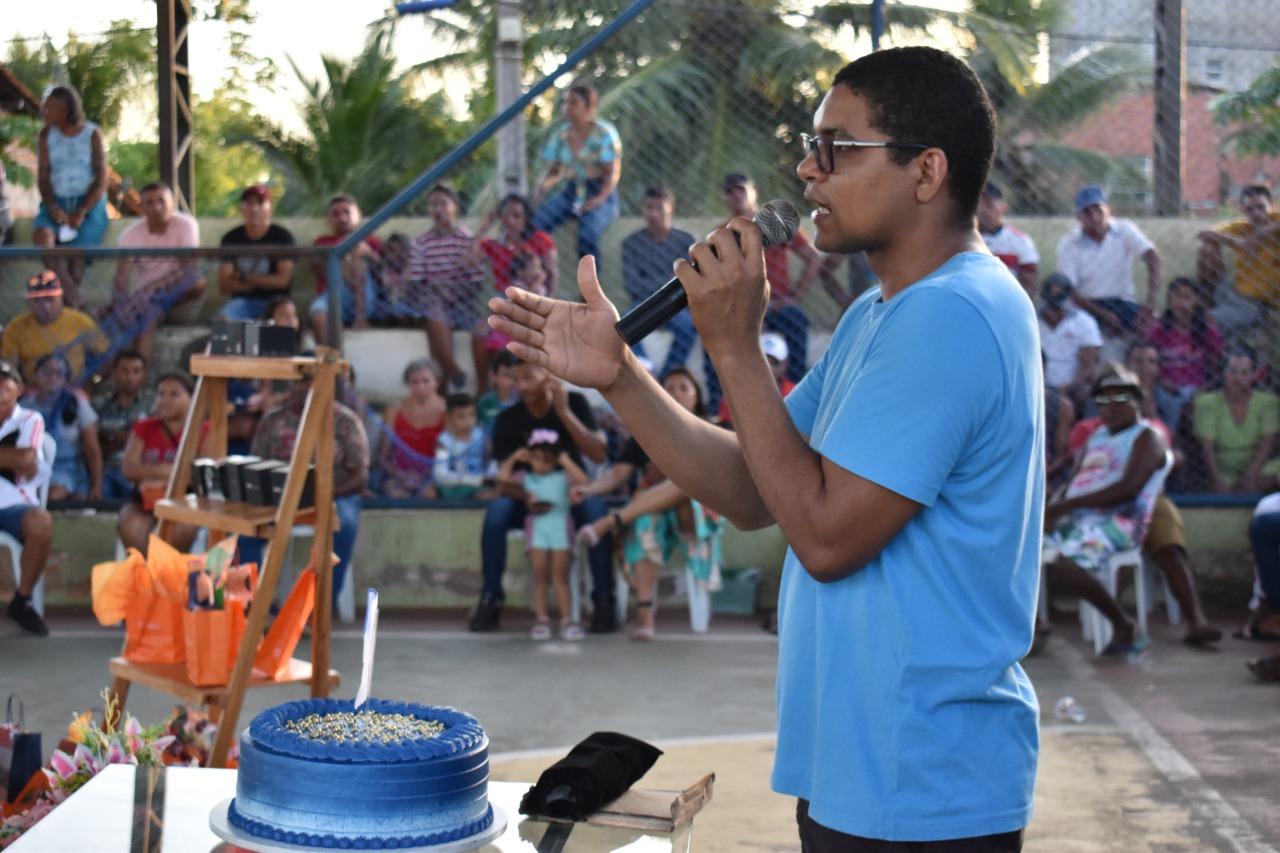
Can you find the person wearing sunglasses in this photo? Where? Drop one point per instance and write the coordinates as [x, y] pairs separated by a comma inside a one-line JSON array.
[[905, 470], [1108, 503], [1248, 287]]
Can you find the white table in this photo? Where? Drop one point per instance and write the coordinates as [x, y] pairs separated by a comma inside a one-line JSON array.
[[100, 818]]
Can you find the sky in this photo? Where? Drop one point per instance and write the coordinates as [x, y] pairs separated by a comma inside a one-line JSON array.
[[278, 34]]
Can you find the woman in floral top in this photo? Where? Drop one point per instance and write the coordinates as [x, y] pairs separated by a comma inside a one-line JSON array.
[[584, 164]]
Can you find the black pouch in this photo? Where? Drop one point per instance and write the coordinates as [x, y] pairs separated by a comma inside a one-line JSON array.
[[595, 772]]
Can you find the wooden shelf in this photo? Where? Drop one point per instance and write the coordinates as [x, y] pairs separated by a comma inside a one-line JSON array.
[[254, 367], [171, 678], [227, 516]]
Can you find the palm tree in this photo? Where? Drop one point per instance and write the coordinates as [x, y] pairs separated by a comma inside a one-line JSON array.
[[1254, 113], [364, 131]]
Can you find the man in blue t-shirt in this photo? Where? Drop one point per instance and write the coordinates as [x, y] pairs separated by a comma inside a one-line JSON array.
[[647, 258], [906, 470]]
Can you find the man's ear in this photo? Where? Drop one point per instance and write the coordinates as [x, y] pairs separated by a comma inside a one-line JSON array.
[[933, 170]]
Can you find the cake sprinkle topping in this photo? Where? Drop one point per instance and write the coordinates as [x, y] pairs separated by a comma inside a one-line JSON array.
[[371, 726]]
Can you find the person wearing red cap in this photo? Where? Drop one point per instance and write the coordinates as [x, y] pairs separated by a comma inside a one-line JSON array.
[[49, 326], [252, 281]]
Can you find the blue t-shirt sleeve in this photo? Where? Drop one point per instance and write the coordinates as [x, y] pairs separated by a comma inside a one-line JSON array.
[[931, 377], [802, 402]]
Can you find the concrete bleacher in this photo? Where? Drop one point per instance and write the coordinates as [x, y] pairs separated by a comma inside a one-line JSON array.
[[379, 377], [429, 556]]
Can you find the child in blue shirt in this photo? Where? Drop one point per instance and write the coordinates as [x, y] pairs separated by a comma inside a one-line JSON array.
[[462, 463]]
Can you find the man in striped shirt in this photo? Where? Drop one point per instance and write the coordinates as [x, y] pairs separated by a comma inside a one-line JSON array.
[[444, 285], [23, 469]]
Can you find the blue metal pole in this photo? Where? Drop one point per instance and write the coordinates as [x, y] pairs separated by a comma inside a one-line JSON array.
[[877, 23]]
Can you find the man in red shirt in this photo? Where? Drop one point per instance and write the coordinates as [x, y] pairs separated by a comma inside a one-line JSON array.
[[784, 316], [358, 291]]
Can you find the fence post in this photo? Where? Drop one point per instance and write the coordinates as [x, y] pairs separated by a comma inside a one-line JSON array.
[[1170, 86], [509, 57]]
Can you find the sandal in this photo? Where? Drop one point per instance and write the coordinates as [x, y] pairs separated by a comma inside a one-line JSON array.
[[1202, 636], [540, 631], [1266, 670], [571, 632], [643, 633], [1117, 649]]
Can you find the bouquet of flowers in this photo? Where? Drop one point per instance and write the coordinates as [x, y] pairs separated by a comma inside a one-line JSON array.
[[186, 738]]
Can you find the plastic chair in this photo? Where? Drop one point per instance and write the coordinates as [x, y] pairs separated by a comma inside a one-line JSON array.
[[697, 598], [48, 448], [1172, 609]]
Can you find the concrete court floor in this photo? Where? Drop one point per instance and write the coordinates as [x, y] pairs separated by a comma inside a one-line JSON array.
[[1180, 750]]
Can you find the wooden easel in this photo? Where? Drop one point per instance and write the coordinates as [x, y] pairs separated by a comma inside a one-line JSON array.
[[315, 442]]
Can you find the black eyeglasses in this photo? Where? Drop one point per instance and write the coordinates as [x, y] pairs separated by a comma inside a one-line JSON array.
[[1103, 399], [824, 148]]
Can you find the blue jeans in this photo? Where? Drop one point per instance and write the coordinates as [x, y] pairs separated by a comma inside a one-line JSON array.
[[506, 514], [1125, 311], [793, 325], [114, 486], [344, 540], [1264, 537], [558, 209], [683, 337], [320, 305], [244, 308]]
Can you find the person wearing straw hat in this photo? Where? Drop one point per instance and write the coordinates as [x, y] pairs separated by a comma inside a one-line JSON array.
[[1108, 503]]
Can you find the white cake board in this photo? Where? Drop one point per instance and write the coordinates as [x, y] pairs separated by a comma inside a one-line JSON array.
[[223, 829]]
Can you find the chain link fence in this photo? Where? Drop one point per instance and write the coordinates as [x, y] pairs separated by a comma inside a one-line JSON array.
[[701, 105]]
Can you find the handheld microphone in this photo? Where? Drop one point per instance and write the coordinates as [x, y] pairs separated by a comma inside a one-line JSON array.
[[778, 221]]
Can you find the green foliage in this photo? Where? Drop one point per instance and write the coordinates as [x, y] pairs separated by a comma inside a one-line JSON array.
[[108, 73], [1253, 114], [366, 131]]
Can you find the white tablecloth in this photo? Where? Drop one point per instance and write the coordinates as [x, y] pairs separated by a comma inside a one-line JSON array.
[[99, 818]]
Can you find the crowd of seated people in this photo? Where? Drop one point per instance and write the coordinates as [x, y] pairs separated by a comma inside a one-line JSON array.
[[1202, 364], [1197, 381]]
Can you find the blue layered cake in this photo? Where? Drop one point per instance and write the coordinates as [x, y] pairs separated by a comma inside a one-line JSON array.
[[317, 774]]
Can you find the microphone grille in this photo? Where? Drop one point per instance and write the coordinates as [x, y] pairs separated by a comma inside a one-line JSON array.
[[778, 221]]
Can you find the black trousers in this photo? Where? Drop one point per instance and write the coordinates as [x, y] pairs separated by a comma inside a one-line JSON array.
[[816, 838]]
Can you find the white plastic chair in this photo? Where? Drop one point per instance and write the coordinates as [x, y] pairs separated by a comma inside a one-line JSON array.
[[49, 448], [697, 598]]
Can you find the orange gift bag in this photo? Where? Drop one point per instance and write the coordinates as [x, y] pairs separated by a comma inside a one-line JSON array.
[[153, 630], [212, 640], [115, 585], [276, 650]]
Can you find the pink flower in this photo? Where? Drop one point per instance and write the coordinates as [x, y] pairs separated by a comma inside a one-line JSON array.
[[63, 766], [85, 759], [117, 755], [163, 743]]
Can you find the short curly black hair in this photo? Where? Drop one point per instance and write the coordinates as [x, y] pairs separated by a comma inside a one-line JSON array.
[[928, 96]]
